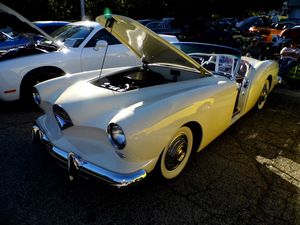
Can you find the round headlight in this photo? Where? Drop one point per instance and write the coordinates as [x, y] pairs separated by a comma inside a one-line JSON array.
[[36, 96], [116, 136]]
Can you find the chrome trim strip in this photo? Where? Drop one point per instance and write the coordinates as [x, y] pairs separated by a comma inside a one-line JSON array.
[[112, 178]]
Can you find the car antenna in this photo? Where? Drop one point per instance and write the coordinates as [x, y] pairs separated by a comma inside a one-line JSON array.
[[103, 60], [109, 23]]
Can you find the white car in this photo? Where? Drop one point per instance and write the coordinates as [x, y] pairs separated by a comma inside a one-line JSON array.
[[73, 49], [124, 124]]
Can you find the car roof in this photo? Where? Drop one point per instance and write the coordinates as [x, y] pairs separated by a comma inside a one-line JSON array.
[[169, 38], [87, 23], [46, 22]]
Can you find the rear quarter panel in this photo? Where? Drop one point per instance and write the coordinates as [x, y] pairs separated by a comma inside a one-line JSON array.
[[260, 72]]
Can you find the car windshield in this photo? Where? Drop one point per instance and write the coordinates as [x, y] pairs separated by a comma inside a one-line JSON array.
[[215, 58], [71, 35], [220, 64]]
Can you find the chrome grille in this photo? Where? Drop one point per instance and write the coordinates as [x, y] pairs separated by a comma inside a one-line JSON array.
[[62, 117]]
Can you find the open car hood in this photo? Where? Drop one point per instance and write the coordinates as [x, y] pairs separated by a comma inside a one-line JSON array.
[[146, 44], [10, 19]]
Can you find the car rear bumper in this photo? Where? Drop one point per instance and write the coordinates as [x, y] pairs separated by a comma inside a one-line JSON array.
[[279, 81], [77, 165]]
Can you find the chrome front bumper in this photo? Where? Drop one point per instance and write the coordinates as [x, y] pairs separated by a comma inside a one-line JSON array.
[[75, 164]]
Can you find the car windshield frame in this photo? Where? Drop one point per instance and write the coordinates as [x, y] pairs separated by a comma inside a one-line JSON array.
[[226, 60], [72, 35], [223, 64]]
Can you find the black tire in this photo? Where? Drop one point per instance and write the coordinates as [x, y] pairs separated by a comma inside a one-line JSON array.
[[28, 83], [26, 91]]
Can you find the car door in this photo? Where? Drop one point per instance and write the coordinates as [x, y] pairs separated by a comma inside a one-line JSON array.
[[117, 53], [242, 78]]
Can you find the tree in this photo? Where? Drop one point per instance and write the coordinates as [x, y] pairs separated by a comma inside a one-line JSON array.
[[137, 9]]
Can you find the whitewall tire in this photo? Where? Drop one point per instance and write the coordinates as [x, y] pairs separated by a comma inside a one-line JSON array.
[[176, 154], [263, 95]]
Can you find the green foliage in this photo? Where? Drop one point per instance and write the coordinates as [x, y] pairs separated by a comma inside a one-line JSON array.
[[137, 9]]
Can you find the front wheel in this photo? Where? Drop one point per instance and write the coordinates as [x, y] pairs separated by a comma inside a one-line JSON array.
[[176, 154], [263, 95], [27, 90], [31, 80]]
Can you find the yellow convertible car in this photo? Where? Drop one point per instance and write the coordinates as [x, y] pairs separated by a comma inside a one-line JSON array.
[[120, 124]]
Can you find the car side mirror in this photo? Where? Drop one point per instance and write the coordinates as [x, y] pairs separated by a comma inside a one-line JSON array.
[[100, 44]]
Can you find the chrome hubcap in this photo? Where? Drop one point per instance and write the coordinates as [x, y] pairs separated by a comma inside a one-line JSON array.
[[176, 152], [263, 96]]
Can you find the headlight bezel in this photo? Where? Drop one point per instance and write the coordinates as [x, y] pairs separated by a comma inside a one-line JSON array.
[[116, 136]]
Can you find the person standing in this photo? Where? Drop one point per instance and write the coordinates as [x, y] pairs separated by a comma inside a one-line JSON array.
[[289, 57]]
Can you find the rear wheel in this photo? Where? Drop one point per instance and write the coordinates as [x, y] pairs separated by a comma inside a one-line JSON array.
[[175, 156], [263, 95]]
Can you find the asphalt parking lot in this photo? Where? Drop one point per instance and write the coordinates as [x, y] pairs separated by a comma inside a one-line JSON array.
[[248, 175]]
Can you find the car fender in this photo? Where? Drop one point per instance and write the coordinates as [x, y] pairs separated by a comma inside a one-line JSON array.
[[50, 90], [14, 70], [149, 130], [260, 72]]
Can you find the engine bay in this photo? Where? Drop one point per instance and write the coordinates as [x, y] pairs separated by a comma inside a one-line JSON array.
[[26, 50], [131, 79]]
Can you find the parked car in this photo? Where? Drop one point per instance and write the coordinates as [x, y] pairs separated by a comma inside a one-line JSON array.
[[264, 26], [153, 24], [146, 21], [10, 39], [170, 38], [50, 26], [131, 121], [73, 48], [284, 39], [258, 21], [219, 32], [271, 31], [226, 22], [165, 26]]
